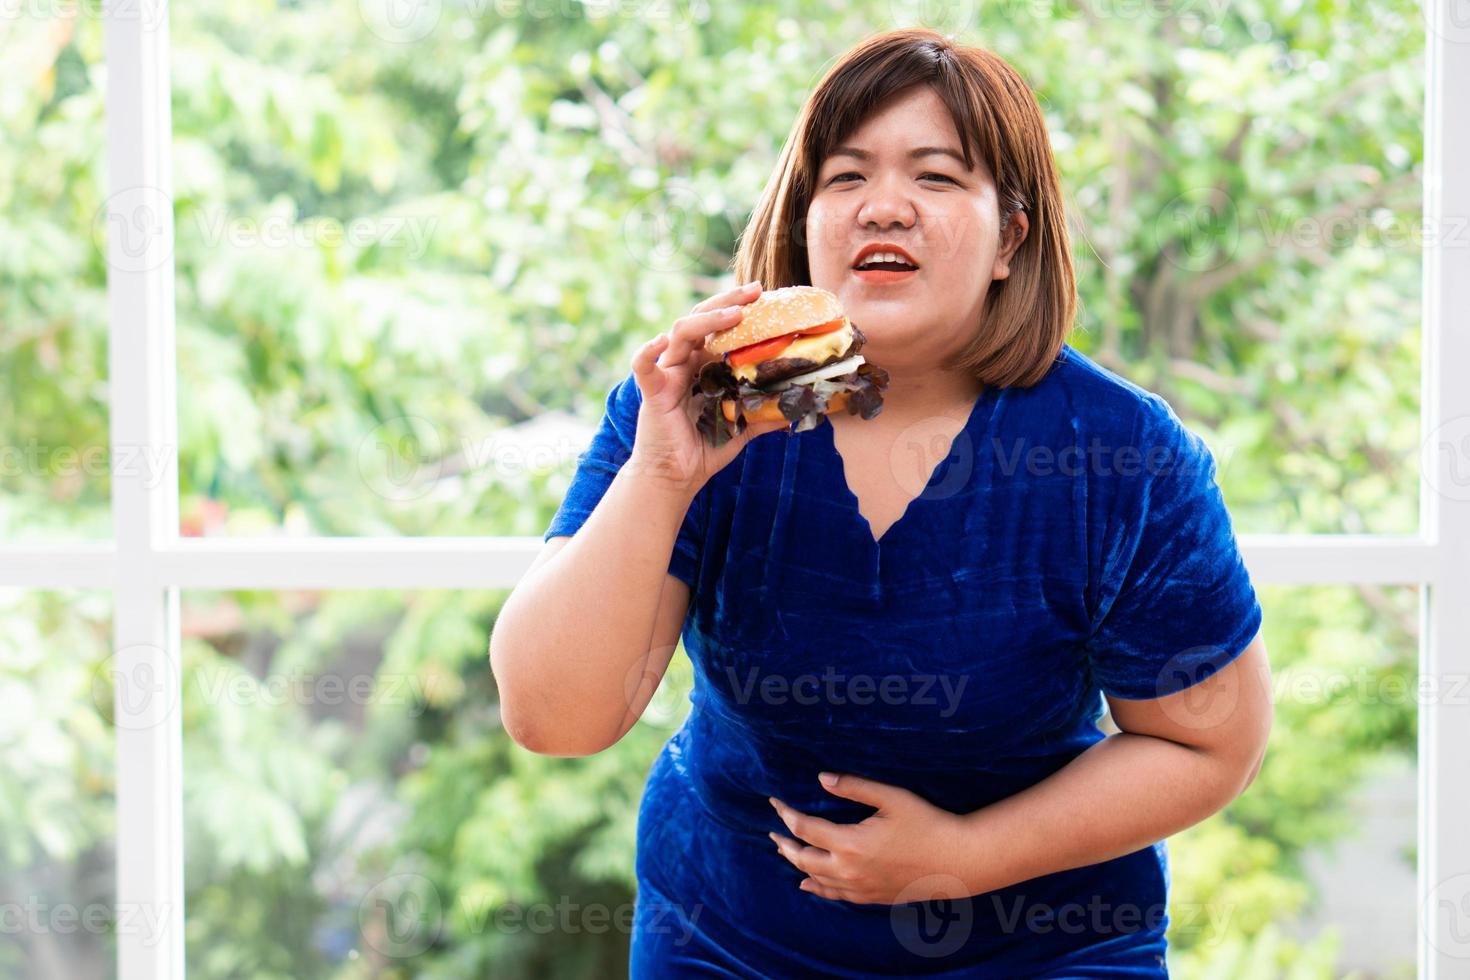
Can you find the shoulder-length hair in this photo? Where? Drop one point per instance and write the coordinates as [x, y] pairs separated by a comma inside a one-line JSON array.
[[1028, 315]]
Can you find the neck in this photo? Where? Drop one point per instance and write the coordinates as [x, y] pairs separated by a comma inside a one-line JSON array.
[[918, 391]]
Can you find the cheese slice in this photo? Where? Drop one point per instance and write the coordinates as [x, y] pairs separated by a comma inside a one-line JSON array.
[[816, 347]]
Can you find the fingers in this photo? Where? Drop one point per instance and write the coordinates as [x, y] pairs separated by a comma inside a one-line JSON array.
[[644, 372], [813, 860], [824, 890], [870, 791], [814, 830], [740, 294], [719, 312], [689, 332]]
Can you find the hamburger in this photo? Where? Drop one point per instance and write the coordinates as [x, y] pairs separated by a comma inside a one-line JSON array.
[[792, 356]]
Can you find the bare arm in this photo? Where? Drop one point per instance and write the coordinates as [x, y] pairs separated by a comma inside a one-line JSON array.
[[581, 644], [1176, 760]]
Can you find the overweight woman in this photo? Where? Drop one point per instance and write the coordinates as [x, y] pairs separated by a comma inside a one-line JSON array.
[[904, 628]]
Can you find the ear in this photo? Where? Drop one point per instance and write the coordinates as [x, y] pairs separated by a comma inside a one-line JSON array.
[[1011, 237]]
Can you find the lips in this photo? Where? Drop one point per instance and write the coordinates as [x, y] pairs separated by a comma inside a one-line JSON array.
[[883, 252]]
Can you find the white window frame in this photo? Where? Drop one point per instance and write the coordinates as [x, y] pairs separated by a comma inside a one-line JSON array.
[[147, 563]]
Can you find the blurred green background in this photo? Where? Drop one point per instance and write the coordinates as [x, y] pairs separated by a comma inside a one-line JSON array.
[[415, 246]]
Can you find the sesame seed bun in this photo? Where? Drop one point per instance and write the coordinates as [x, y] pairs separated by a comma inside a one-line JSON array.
[[780, 311]]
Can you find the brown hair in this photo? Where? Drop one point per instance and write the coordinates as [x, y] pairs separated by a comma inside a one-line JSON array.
[[1029, 314]]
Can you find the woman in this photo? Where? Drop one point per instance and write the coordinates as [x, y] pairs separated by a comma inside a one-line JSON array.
[[925, 609]]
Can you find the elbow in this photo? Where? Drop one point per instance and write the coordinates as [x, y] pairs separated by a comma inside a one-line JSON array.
[[1245, 752], [540, 731], [544, 740], [535, 727], [1251, 768], [1254, 770], [1263, 741], [1233, 770]]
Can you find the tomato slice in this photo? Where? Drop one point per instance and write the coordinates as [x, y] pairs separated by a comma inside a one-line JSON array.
[[828, 327], [761, 351], [765, 350]]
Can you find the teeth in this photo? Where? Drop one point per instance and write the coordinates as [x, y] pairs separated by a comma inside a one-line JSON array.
[[885, 257]]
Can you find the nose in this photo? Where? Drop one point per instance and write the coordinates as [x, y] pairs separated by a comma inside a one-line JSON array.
[[886, 203]]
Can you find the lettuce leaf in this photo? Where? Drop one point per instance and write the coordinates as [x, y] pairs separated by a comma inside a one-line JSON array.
[[803, 405]]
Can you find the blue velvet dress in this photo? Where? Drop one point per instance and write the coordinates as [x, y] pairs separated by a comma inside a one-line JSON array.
[[1075, 541]]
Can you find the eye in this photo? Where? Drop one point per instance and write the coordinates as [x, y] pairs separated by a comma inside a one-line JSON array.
[[838, 178]]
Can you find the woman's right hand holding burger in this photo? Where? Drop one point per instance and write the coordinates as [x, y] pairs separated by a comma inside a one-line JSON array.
[[668, 448]]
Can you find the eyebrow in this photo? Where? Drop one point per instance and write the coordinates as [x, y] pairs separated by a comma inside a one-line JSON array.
[[914, 154]]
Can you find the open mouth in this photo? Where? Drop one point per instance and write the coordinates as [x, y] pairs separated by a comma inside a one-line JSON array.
[[885, 262], [880, 273]]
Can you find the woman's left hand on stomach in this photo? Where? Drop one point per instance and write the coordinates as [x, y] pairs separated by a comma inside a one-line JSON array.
[[895, 855]]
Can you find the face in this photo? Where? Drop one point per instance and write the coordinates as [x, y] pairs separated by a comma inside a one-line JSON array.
[[945, 217]]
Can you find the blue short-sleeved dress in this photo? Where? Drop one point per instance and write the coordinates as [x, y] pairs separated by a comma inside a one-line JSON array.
[[1075, 541]]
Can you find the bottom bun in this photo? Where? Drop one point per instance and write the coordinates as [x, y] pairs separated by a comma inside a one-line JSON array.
[[769, 410]]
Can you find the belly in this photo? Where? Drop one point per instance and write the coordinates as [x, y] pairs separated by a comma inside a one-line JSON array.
[[727, 880]]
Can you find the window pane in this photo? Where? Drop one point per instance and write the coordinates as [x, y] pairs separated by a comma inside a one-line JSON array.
[[370, 340], [54, 468], [350, 793], [1312, 868], [58, 803], [1248, 179], [352, 802], [400, 241]]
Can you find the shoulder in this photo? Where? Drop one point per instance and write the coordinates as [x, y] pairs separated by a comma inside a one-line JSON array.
[[1090, 402]]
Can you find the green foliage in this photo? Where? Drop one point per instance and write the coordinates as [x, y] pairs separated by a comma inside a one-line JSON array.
[[391, 251]]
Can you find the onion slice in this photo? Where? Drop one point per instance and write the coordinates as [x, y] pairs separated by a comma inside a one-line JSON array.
[[820, 374]]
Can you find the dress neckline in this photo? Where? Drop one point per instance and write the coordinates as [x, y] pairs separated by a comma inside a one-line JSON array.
[[964, 440]]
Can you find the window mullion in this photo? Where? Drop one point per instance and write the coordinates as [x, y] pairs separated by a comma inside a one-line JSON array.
[[140, 310], [1444, 722]]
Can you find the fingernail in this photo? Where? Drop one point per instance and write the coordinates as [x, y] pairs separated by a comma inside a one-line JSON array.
[[753, 282], [730, 309], [827, 778]]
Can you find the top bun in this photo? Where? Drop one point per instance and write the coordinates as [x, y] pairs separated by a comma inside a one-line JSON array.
[[780, 311]]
